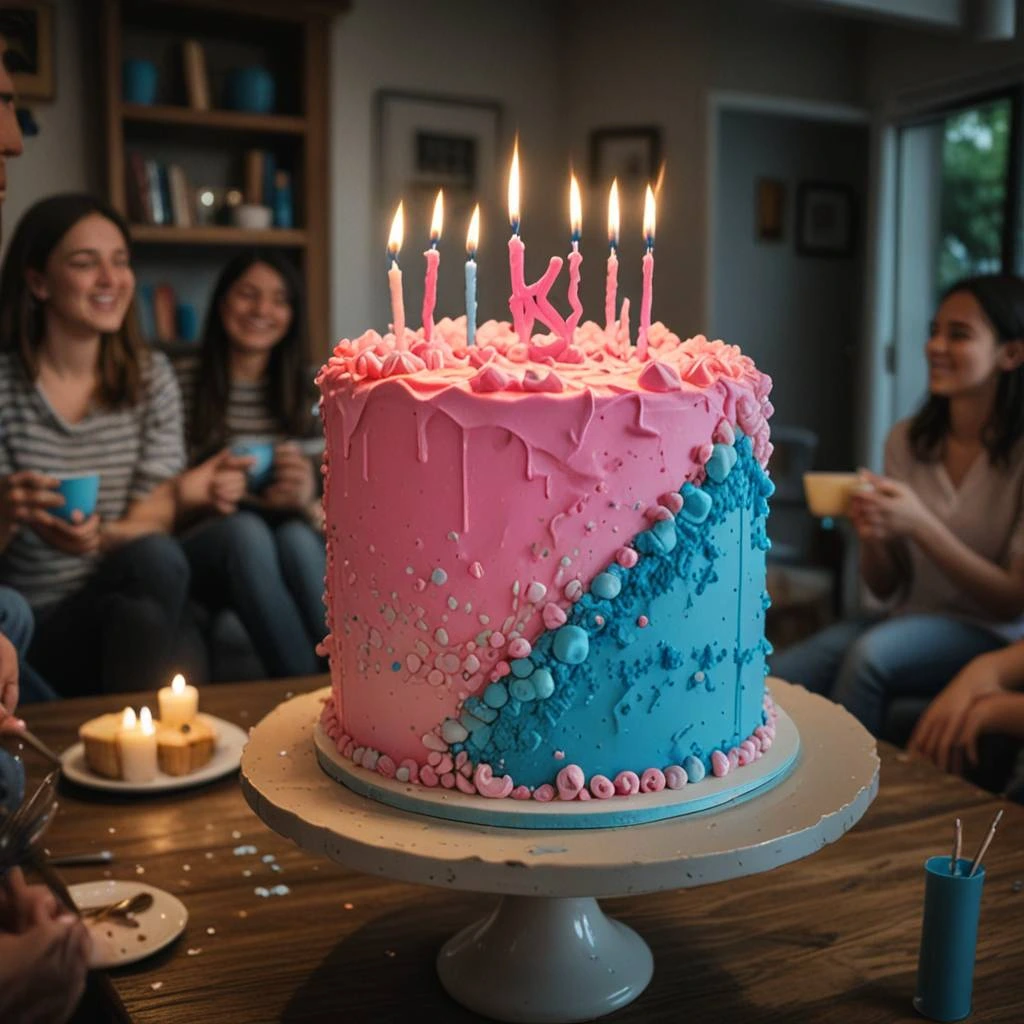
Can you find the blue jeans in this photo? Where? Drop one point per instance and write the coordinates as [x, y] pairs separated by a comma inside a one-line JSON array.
[[118, 631], [865, 663], [271, 574], [18, 624]]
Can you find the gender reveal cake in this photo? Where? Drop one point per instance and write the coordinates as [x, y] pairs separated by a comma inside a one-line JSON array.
[[546, 562]]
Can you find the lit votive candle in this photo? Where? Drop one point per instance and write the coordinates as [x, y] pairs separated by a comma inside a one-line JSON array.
[[179, 703], [136, 744]]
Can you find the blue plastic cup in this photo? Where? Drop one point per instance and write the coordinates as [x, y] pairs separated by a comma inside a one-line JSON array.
[[261, 449], [80, 492], [251, 89], [949, 936], [139, 81]]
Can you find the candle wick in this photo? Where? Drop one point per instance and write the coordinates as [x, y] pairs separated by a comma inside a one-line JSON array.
[[515, 227]]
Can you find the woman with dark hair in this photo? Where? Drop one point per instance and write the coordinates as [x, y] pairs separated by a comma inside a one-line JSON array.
[[267, 561], [81, 394], [942, 531]]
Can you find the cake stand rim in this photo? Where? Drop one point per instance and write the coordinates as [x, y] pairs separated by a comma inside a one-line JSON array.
[[823, 795]]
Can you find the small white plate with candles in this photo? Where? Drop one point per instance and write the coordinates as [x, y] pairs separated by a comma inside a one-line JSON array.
[[125, 752], [123, 938]]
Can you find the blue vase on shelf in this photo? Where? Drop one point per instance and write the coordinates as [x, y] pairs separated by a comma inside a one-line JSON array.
[[250, 89]]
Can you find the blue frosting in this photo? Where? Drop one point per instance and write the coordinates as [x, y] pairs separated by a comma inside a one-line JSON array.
[[614, 694]]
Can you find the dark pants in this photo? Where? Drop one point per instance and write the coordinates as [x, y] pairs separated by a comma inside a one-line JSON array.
[[17, 624], [272, 576], [117, 633]]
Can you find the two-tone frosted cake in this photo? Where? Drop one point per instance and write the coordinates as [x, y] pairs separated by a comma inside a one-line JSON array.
[[546, 562]]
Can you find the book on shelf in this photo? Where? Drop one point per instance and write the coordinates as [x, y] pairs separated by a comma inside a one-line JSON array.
[[252, 178], [181, 196], [197, 81], [164, 305], [140, 208]]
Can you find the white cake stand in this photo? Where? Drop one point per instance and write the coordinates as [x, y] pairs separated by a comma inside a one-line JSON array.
[[548, 953]]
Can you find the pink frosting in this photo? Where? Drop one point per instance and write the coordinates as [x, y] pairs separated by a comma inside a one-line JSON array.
[[570, 781]]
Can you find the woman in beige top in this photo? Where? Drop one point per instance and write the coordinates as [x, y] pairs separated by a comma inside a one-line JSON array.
[[942, 532]]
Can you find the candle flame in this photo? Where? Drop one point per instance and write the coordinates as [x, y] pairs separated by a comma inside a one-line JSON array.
[[473, 234], [437, 221], [513, 189], [397, 232], [128, 719], [649, 218], [575, 208], [613, 214], [178, 684], [146, 722]]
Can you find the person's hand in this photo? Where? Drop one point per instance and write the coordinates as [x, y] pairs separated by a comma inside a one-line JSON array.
[[44, 955], [79, 537], [888, 509], [940, 730], [25, 496], [294, 483], [9, 687], [218, 483], [983, 716]]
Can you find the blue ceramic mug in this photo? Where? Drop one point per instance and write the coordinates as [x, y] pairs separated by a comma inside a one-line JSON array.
[[139, 81], [261, 450], [250, 89], [80, 491]]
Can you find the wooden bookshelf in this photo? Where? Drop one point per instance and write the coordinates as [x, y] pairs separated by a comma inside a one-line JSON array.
[[290, 39]]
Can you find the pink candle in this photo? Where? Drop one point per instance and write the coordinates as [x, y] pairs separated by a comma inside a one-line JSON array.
[[575, 259], [395, 278], [611, 284], [520, 299], [433, 256], [648, 275]]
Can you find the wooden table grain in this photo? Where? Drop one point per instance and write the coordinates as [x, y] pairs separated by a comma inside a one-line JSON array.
[[831, 938]]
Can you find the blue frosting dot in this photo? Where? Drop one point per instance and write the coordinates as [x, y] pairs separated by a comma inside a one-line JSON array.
[[496, 695], [571, 645], [696, 504], [521, 667], [543, 683], [522, 689], [723, 458], [606, 586], [439, 577], [694, 768], [665, 531], [396, 666]]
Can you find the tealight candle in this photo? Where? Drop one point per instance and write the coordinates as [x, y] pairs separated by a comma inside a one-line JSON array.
[[178, 703], [136, 745]]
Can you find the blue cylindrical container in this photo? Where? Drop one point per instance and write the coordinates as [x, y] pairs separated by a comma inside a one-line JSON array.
[[949, 935], [139, 81], [251, 89]]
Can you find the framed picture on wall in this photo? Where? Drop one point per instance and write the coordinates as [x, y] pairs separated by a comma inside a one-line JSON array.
[[632, 155], [825, 219], [27, 26]]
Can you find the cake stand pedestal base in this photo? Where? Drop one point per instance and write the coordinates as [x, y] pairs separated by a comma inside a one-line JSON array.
[[548, 953], [545, 961]]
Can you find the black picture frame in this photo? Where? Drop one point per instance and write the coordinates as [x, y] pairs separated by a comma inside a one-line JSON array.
[[631, 154], [826, 219]]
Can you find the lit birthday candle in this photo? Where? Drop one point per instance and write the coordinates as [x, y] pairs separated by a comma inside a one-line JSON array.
[[648, 273], [517, 255], [472, 241], [575, 259], [611, 285], [395, 278], [433, 256]]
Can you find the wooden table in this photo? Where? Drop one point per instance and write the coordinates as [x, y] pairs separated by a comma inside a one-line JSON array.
[[830, 938]]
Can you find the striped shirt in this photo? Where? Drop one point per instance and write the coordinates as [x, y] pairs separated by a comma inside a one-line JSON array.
[[248, 412], [133, 450]]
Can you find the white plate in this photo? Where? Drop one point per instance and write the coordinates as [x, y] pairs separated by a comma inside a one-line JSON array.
[[227, 756], [114, 944]]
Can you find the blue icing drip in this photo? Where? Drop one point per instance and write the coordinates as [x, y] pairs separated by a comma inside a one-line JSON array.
[[703, 596]]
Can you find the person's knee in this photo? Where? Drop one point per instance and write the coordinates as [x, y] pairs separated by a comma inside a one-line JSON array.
[[865, 662], [16, 621], [160, 567], [247, 533]]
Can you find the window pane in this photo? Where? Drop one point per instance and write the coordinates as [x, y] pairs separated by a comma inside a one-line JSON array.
[[975, 165]]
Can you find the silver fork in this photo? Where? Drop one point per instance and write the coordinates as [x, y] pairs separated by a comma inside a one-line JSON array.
[[19, 832]]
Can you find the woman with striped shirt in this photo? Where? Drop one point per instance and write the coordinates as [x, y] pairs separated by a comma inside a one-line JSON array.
[[267, 561], [80, 393]]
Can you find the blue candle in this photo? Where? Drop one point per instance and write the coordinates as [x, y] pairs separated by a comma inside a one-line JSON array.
[[472, 238]]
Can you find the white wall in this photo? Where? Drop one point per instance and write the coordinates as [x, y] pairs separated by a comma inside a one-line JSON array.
[[66, 154], [655, 62], [797, 316], [508, 52]]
